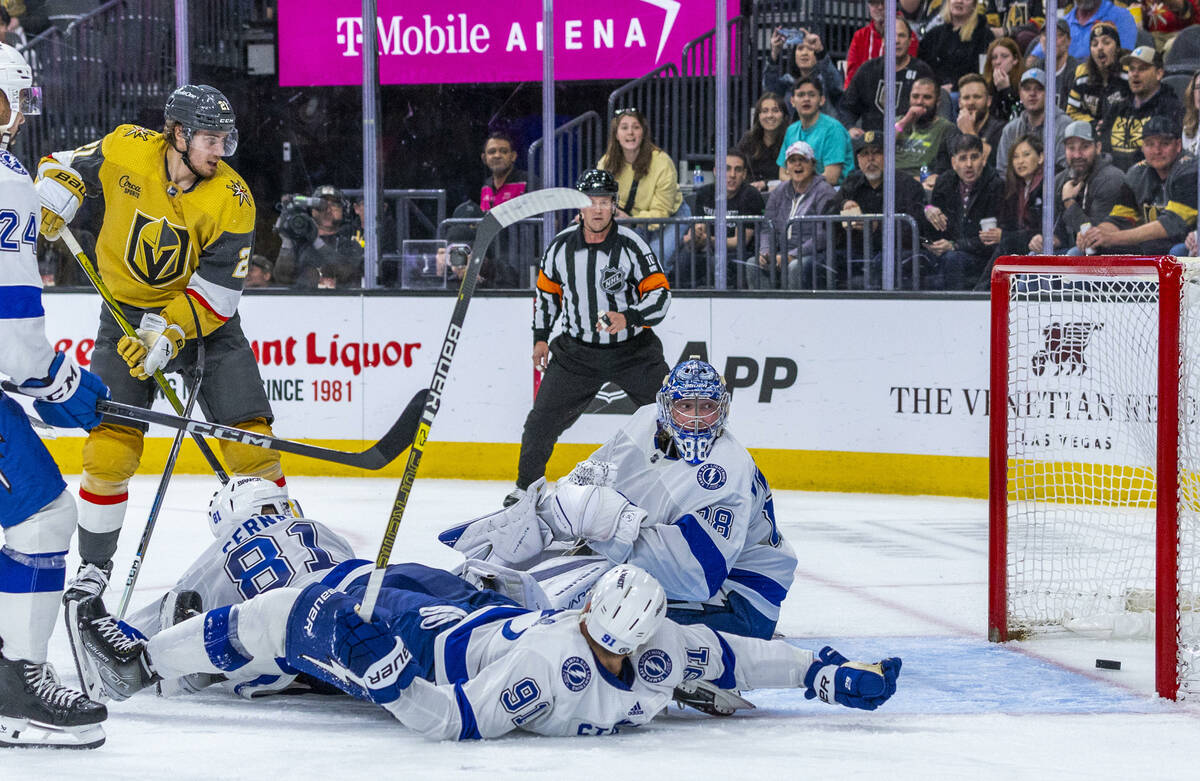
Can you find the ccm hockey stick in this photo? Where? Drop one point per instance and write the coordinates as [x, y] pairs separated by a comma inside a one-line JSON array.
[[496, 220], [115, 309], [379, 455]]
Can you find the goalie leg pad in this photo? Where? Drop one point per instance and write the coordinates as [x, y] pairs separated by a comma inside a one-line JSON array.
[[509, 536]]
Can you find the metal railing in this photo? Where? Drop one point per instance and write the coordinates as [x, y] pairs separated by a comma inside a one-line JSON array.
[[87, 89], [512, 261], [578, 144], [841, 255], [657, 95], [407, 212]]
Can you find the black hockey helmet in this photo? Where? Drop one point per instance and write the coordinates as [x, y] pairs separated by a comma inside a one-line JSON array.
[[596, 181], [201, 107]]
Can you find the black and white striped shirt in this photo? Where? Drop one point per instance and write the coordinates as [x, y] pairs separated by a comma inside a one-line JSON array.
[[620, 274]]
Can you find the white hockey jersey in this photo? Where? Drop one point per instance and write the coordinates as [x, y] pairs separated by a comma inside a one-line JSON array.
[[710, 528], [24, 351], [259, 554], [503, 668]]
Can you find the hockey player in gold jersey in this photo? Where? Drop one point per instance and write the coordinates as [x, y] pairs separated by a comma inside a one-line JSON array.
[[174, 248]]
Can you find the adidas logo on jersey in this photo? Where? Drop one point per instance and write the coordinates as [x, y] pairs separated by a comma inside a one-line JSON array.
[[636, 710]]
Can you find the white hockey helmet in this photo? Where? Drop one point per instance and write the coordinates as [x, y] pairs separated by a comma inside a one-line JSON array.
[[246, 497], [16, 82], [627, 605]]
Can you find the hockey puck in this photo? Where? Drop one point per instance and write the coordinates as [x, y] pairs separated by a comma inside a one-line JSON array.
[[1108, 664]]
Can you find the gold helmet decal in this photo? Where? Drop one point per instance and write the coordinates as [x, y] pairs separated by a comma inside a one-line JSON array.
[[157, 251]]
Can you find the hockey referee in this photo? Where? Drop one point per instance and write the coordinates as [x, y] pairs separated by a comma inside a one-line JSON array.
[[610, 289]]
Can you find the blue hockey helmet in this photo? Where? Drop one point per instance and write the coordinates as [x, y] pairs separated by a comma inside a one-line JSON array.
[[693, 404]]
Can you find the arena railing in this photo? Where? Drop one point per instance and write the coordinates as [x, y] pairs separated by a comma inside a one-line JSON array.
[[854, 262], [407, 213], [578, 144], [657, 95]]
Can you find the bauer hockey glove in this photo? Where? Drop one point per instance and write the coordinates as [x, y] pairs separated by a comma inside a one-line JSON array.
[[373, 657], [66, 397], [60, 189], [834, 678], [156, 343]]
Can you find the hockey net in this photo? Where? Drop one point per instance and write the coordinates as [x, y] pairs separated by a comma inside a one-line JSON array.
[[1095, 454]]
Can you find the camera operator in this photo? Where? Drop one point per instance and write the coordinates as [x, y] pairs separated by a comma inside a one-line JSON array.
[[321, 244]]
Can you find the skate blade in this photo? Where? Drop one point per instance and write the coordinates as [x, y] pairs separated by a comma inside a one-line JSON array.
[[23, 733], [89, 674]]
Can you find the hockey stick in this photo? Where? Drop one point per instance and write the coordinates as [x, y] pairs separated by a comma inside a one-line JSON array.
[[496, 220], [114, 308], [379, 455], [160, 494]]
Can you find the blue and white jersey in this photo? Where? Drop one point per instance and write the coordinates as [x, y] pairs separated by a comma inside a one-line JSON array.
[[24, 351], [261, 553], [504, 668], [711, 527]]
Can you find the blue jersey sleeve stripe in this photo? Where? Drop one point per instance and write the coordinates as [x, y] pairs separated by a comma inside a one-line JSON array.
[[704, 550], [761, 584], [20, 301], [218, 642], [25, 573], [466, 714], [454, 652], [727, 680]]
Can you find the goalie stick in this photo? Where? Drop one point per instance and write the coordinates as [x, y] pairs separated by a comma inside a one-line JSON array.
[[379, 455], [496, 220], [114, 308]]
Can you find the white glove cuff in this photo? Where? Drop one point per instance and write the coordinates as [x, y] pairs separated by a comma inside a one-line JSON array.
[[64, 382]]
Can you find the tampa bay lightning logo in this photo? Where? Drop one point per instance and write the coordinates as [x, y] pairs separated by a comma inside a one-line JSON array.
[[9, 160], [711, 476], [654, 665], [576, 674]]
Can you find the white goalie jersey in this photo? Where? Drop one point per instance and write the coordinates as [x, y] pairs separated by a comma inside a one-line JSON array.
[[261, 553], [710, 528], [504, 668]]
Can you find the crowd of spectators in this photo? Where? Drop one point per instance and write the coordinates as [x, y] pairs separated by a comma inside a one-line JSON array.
[[804, 181]]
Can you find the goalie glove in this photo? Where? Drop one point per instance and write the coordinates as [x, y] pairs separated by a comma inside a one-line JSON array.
[[607, 520], [60, 189], [834, 678], [66, 397], [156, 343], [593, 472]]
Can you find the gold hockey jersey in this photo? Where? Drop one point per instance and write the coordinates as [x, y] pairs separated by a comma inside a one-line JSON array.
[[159, 245]]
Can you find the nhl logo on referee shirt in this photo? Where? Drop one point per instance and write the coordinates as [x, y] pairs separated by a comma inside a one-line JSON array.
[[576, 674], [654, 665], [612, 279], [710, 476]]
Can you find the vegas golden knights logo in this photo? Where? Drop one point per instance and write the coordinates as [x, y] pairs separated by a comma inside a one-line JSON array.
[[157, 252]]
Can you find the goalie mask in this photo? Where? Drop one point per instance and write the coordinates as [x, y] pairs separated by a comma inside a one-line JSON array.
[[16, 81], [245, 497], [627, 605], [693, 404]]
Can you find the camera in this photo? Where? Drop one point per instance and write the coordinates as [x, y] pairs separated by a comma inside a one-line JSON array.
[[793, 36], [458, 255], [294, 221]]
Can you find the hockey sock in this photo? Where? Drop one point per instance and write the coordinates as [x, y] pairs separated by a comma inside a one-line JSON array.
[[33, 570]]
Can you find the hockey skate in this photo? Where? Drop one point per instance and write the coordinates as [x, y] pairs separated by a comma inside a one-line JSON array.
[[36, 711], [176, 607], [90, 581], [710, 699], [109, 660]]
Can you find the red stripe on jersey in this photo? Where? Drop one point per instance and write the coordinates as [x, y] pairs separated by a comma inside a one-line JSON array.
[[200, 300]]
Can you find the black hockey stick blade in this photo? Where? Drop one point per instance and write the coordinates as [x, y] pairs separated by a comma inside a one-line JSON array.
[[397, 439], [497, 219]]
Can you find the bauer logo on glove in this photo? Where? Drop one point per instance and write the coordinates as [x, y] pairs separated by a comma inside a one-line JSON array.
[[61, 191]]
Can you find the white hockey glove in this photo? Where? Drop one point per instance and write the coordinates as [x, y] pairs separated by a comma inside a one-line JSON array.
[[510, 536], [61, 191], [602, 516], [592, 472], [156, 343]]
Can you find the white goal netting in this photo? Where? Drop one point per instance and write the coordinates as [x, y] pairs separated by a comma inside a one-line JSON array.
[[1083, 358]]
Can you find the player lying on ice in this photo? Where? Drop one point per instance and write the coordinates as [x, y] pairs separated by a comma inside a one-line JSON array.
[[451, 661]]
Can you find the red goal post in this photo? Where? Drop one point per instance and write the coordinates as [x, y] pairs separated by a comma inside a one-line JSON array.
[[1090, 523]]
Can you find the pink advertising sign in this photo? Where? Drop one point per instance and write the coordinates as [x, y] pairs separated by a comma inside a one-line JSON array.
[[472, 41]]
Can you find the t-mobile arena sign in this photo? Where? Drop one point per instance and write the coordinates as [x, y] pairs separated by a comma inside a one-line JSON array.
[[472, 41]]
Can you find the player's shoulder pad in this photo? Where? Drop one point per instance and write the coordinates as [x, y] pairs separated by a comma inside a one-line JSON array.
[[131, 144], [9, 160], [234, 198]]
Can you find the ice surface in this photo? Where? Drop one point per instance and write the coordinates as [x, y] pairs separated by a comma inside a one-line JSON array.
[[877, 576]]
